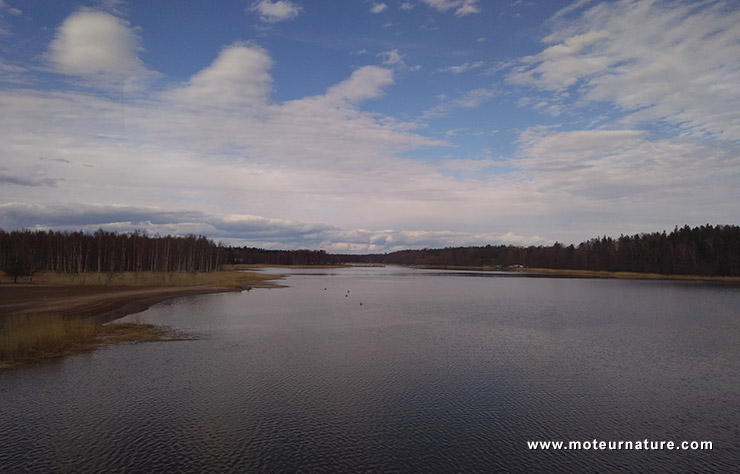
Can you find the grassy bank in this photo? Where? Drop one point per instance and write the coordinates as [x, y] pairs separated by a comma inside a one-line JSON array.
[[55, 314], [33, 338], [112, 296], [230, 279]]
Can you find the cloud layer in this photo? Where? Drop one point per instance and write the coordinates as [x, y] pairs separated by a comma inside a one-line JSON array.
[[668, 61], [242, 229], [216, 153]]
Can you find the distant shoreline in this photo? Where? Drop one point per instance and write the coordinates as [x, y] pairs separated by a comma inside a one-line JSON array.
[[595, 274], [533, 272]]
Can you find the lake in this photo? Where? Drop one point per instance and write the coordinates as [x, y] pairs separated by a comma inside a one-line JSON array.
[[396, 370]]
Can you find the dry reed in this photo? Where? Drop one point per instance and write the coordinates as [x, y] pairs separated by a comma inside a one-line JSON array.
[[35, 337], [32, 338]]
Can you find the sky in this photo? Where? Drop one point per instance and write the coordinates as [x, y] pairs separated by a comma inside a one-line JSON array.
[[370, 126]]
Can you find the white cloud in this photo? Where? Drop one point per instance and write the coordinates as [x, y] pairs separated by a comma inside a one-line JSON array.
[[468, 165], [568, 9], [238, 79], [116, 7], [656, 60], [276, 11], [465, 67], [11, 73], [566, 151], [100, 49], [365, 83], [622, 169], [469, 100], [392, 58], [5, 9], [468, 8], [378, 8], [379, 241], [407, 6], [461, 7]]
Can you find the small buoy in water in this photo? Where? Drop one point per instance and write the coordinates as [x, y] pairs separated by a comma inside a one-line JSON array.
[[346, 296], [324, 289], [360, 303]]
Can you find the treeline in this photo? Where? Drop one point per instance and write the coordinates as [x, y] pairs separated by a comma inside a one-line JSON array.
[[26, 252], [706, 250]]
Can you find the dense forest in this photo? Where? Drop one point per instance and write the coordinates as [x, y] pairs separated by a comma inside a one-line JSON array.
[[26, 252], [706, 250]]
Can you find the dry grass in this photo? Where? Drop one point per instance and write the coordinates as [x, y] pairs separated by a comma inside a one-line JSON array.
[[26, 339], [228, 279], [30, 330], [117, 333], [35, 337]]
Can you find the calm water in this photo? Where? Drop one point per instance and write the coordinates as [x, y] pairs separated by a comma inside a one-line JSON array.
[[434, 372]]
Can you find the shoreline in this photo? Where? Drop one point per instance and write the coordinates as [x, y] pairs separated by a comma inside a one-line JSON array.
[[110, 297], [536, 272], [60, 315], [102, 304], [599, 274]]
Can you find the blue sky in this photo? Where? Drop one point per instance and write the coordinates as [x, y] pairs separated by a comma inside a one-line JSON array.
[[367, 126]]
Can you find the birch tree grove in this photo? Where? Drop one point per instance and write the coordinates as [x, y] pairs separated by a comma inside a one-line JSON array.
[[26, 252]]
